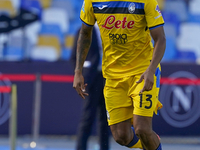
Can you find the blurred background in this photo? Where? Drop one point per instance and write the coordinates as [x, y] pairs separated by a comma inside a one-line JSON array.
[[36, 38]]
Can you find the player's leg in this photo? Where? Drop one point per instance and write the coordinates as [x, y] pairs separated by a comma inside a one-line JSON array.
[[145, 104], [120, 112], [143, 129], [125, 135]]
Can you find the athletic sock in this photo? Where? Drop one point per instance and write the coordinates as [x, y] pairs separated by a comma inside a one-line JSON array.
[[135, 143], [159, 147]]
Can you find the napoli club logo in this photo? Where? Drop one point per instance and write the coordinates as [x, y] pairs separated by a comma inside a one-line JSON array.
[[181, 102], [131, 8]]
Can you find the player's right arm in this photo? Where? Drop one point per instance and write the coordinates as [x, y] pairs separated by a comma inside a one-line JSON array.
[[83, 45]]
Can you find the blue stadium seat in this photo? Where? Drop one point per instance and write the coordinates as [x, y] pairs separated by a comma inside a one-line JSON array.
[[178, 7], [16, 4], [188, 38], [44, 53], [194, 18], [74, 26], [53, 15], [186, 56], [32, 5], [171, 18], [66, 5], [194, 7], [66, 54], [171, 30], [13, 54], [52, 29], [170, 52]]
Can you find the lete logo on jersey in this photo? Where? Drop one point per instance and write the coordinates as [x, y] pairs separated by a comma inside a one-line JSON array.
[[111, 22]]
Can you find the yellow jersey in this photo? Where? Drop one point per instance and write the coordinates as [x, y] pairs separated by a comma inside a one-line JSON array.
[[125, 32]]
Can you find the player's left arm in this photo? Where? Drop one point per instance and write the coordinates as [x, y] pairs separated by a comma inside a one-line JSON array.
[[155, 23], [158, 36]]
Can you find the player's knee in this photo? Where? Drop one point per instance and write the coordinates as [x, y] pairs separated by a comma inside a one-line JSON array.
[[143, 132], [122, 138]]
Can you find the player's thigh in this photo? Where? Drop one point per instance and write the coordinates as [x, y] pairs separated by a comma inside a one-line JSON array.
[[122, 129], [118, 104], [142, 124], [146, 103]]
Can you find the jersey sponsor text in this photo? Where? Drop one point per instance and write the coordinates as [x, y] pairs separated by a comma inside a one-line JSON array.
[[111, 23]]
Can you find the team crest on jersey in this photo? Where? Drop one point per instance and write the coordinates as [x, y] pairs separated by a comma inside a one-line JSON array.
[[131, 8]]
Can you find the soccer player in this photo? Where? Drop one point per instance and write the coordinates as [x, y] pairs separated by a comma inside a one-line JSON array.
[[131, 65]]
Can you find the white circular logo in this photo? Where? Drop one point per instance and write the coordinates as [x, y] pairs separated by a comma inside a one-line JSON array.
[[131, 8], [180, 102]]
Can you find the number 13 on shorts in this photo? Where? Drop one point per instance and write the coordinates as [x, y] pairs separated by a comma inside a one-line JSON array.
[[146, 98], [145, 103]]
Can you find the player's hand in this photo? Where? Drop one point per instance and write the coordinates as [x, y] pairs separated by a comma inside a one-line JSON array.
[[148, 77], [79, 85]]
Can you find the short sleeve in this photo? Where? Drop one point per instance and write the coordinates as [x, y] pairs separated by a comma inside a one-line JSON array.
[[87, 13], [153, 14]]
